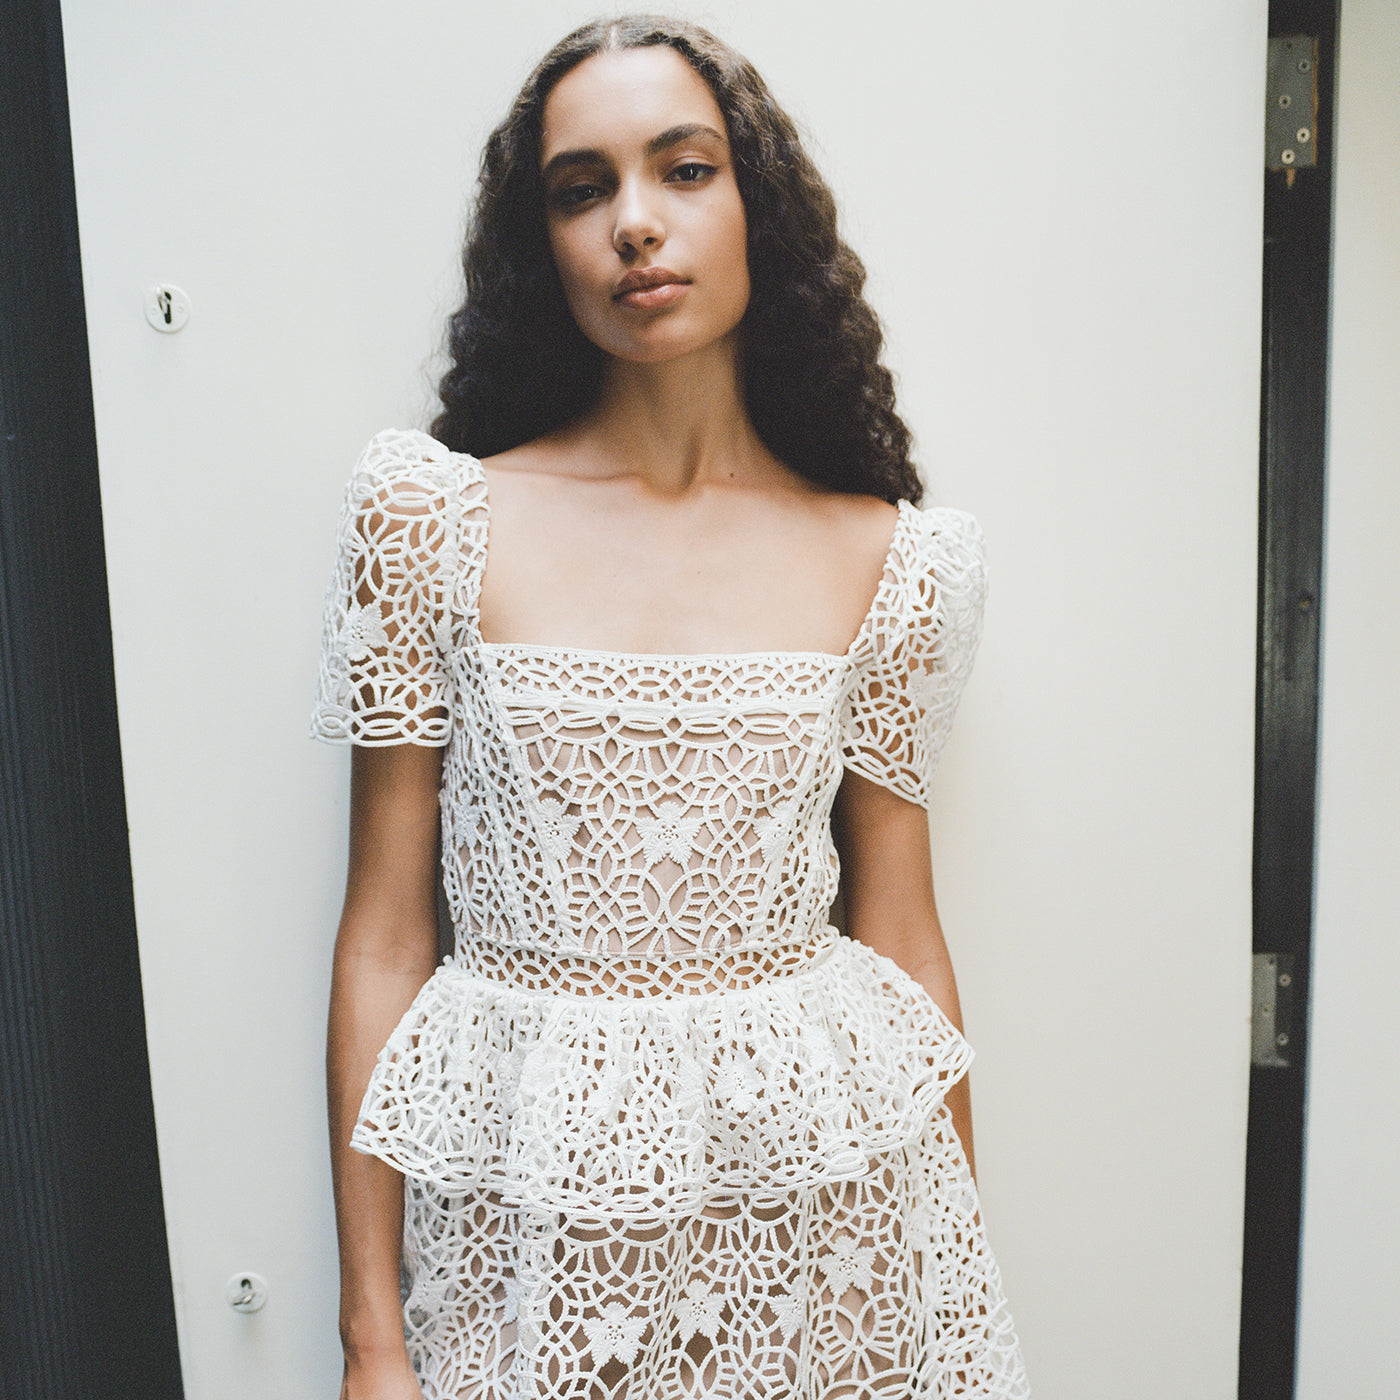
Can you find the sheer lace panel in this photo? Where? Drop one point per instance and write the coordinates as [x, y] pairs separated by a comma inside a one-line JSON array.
[[385, 677], [688, 817], [918, 653], [857, 1290]]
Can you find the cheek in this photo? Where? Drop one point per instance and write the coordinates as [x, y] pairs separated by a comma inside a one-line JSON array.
[[737, 251], [579, 280], [586, 278], [567, 260]]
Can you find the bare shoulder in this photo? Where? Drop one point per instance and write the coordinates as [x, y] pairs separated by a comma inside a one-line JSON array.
[[565, 454], [516, 466], [834, 552], [861, 526], [528, 458]]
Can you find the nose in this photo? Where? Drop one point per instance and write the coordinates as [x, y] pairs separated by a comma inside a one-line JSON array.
[[639, 226]]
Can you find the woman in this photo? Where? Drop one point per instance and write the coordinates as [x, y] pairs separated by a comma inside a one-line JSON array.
[[654, 1129]]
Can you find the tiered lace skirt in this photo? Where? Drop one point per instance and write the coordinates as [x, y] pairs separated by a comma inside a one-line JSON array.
[[750, 1192]]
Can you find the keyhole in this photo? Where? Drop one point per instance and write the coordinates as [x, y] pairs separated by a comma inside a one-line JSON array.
[[246, 1293], [167, 308]]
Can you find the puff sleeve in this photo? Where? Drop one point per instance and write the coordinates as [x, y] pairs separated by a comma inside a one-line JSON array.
[[922, 640], [384, 677]]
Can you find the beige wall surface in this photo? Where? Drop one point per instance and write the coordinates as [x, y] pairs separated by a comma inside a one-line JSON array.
[[1351, 1213], [1060, 209]]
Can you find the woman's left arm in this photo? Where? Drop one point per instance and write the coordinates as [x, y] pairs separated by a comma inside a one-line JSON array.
[[887, 886]]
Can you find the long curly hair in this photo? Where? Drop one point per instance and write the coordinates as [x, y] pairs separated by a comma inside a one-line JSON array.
[[813, 383]]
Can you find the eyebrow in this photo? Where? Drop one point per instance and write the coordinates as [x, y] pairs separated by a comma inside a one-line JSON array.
[[672, 136]]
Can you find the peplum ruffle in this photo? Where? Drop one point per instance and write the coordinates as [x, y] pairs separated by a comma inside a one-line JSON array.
[[653, 1107]]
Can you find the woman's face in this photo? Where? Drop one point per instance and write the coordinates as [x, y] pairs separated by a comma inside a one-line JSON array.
[[644, 214]]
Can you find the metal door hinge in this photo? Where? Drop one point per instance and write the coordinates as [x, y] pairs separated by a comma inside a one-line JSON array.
[[1272, 1022], [1290, 125]]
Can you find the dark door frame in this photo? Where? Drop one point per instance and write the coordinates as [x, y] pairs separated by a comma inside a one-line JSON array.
[[1292, 480], [85, 1292]]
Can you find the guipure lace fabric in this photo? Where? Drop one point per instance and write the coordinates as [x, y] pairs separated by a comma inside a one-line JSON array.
[[666, 1133]]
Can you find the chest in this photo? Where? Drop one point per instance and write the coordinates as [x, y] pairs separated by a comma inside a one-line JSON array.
[[676, 586]]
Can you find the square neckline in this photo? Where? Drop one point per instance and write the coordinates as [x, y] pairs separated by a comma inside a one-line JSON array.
[[889, 581]]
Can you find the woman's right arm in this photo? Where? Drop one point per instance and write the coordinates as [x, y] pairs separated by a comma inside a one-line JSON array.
[[385, 949]]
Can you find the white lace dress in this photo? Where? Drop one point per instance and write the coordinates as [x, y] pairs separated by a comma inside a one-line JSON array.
[[665, 1132]]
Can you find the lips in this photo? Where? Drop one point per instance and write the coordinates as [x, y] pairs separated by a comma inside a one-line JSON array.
[[649, 287]]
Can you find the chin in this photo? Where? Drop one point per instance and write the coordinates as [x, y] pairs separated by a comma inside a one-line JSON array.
[[665, 345]]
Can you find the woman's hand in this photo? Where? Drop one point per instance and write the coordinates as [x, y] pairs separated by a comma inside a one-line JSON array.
[[384, 1378]]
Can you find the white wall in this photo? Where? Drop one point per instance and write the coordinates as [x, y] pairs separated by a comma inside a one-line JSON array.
[[1060, 206], [1351, 1224]]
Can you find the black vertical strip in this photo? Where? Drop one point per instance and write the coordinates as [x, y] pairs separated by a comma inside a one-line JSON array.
[[1297, 261], [86, 1308]]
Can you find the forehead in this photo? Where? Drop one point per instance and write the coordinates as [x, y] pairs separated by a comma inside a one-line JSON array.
[[623, 97]]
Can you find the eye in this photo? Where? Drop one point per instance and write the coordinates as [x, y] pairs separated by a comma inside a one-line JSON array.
[[692, 172], [575, 196]]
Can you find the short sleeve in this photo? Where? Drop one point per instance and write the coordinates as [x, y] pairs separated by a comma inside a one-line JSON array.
[[384, 677], [922, 637]]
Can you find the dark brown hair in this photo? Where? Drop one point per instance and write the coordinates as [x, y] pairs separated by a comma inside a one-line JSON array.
[[815, 388]]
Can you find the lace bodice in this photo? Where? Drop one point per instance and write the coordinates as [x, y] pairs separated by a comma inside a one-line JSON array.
[[606, 806]]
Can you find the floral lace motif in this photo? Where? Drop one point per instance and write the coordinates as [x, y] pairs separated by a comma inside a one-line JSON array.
[[665, 1132], [615, 1332], [847, 1265]]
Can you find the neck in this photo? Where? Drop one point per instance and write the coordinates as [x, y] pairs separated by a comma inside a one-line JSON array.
[[675, 424]]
